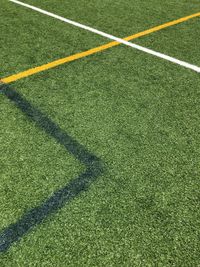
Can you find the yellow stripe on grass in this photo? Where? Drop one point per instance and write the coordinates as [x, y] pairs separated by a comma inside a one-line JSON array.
[[61, 61]]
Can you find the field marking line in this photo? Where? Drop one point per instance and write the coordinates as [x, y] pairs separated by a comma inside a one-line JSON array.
[[61, 61], [112, 37]]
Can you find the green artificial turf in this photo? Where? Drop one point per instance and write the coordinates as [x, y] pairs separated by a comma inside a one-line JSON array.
[[120, 18], [181, 41], [138, 113]]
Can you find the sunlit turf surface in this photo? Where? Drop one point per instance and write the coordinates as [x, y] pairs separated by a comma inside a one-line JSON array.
[[138, 114]]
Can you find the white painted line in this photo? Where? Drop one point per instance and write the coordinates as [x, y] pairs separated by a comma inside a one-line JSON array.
[[109, 36]]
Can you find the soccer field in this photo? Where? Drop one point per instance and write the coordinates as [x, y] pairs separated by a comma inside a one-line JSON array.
[[100, 133]]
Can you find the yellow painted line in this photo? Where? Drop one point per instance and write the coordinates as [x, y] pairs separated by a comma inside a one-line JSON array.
[[61, 61]]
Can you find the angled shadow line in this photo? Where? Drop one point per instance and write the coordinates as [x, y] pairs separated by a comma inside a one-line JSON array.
[[94, 168]]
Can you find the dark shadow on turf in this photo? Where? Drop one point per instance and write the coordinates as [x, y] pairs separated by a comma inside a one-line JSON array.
[[94, 168]]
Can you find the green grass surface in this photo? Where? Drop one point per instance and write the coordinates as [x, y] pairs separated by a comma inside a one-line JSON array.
[[120, 18], [138, 113], [181, 41]]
